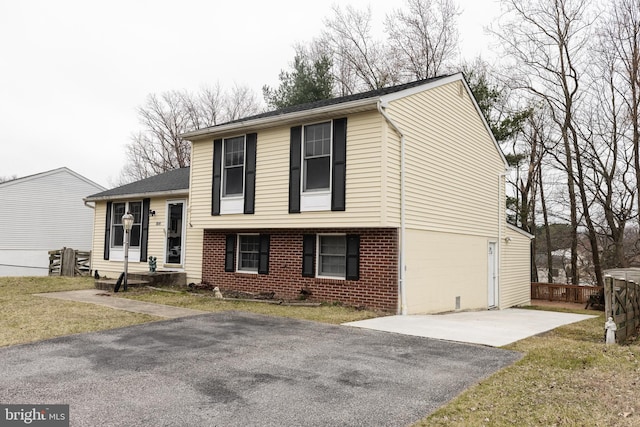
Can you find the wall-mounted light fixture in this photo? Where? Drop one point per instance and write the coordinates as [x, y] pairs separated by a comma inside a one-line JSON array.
[[507, 239], [152, 212]]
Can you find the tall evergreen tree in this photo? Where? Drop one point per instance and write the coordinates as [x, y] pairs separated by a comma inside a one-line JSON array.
[[310, 80]]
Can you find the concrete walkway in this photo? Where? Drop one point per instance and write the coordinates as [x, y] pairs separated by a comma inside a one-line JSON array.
[[96, 296], [494, 328]]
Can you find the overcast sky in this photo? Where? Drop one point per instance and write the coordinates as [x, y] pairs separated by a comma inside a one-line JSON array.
[[73, 72]]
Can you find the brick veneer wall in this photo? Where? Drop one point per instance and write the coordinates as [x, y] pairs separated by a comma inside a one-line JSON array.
[[376, 288]]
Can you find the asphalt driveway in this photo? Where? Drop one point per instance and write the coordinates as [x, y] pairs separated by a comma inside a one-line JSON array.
[[240, 369]]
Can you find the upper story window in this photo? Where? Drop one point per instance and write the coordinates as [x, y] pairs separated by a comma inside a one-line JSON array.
[[117, 227], [317, 157], [233, 175], [317, 166]]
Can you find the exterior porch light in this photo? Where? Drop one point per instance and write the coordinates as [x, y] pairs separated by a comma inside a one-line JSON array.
[[127, 221]]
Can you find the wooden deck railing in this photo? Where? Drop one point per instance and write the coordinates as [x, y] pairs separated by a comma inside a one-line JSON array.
[[564, 293]]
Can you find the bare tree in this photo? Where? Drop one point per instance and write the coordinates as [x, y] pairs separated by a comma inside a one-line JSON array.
[[611, 128], [158, 147], [620, 35], [545, 40], [424, 38], [360, 62]]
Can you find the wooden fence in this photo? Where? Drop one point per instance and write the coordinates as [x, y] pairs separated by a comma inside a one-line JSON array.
[[622, 302], [564, 293], [69, 262]]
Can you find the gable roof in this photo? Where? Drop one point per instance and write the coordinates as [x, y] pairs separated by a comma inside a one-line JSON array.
[[329, 108], [355, 101], [172, 182], [48, 173]]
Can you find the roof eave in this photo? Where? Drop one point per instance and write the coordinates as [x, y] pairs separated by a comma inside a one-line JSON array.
[[283, 119], [171, 193], [520, 230]]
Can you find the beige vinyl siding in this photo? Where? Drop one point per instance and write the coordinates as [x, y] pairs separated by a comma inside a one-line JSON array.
[[363, 181], [515, 280], [443, 266], [193, 256], [155, 243], [452, 165]]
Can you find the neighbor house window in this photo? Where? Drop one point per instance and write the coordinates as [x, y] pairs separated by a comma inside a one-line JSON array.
[[233, 167], [332, 256], [117, 227], [317, 157], [248, 252]]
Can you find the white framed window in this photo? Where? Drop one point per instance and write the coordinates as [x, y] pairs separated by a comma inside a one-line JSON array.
[[117, 227], [233, 167], [332, 255], [248, 253], [316, 157]]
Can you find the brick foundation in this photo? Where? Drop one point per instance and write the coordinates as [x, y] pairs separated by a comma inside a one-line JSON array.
[[376, 288]]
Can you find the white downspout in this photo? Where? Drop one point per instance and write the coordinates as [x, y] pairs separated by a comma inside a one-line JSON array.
[[403, 266], [501, 222]]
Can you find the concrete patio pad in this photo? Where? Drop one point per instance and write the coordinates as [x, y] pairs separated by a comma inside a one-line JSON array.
[[494, 328]]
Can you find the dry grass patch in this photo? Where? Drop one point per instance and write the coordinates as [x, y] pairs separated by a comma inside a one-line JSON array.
[[334, 314], [25, 317], [568, 377]]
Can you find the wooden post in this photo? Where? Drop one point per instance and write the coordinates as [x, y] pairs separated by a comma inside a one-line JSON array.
[[608, 295], [68, 262]]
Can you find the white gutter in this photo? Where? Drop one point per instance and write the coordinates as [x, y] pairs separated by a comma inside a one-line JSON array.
[[280, 119], [403, 266], [138, 195]]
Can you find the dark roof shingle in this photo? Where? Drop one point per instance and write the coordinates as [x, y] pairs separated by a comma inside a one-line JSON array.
[[174, 180], [333, 101]]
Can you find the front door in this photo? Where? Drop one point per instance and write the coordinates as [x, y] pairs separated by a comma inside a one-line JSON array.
[[492, 278], [175, 239]]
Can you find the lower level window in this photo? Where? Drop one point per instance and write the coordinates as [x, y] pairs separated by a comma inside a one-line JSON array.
[[248, 252], [332, 256]]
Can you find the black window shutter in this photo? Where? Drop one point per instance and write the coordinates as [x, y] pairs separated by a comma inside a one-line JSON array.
[[107, 232], [144, 238], [250, 173], [230, 253], [309, 255], [217, 175], [263, 260], [339, 165], [294, 169], [353, 257]]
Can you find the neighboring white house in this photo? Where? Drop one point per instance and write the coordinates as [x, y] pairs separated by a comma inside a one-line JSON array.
[[43, 212]]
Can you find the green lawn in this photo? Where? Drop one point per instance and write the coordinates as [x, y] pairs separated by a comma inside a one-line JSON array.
[[334, 314], [567, 377], [25, 317]]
